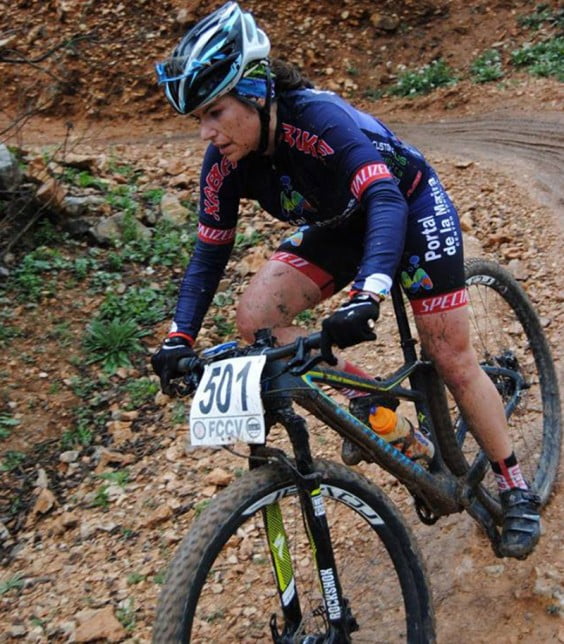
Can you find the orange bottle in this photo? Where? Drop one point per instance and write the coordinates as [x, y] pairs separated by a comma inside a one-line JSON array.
[[398, 431]]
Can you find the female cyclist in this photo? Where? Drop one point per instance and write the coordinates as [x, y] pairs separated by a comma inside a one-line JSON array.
[[367, 205]]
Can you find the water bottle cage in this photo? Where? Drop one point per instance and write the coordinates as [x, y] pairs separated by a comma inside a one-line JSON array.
[[405, 442]]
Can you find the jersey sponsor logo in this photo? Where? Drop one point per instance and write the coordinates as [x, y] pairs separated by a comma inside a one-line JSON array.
[[216, 236], [440, 227], [367, 175], [295, 239], [440, 303], [294, 205], [415, 278], [213, 182], [306, 142]]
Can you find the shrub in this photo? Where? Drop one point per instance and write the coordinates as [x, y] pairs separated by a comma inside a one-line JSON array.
[[112, 342], [487, 67], [542, 59], [541, 15], [424, 79]]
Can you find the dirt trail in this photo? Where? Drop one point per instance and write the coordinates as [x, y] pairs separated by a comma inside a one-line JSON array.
[[478, 598], [484, 599], [525, 144]]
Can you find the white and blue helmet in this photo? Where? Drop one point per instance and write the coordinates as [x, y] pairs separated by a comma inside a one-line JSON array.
[[221, 51]]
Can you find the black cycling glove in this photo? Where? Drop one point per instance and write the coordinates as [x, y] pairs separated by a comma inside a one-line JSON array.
[[349, 325], [165, 361]]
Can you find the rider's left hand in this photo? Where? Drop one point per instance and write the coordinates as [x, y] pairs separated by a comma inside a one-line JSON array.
[[350, 324]]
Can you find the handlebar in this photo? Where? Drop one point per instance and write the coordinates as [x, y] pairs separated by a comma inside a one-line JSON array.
[[299, 350]]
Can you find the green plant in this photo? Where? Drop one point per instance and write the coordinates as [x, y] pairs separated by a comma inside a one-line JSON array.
[[12, 460], [123, 198], [223, 298], [154, 195], [8, 332], [119, 477], [306, 317], [28, 277], [83, 266], [178, 415], [13, 582], [128, 533], [54, 388], [159, 577], [112, 342], [168, 246], [135, 578], [214, 615], [423, 80], [37, 621], [126, 614], [124, 169], [223, 326], [6, 422], [115, 261], [80, 436], [46, 233], [542, 14], [130, 226], [242, 241], [543, 59], [142, 304], [61, 332], [140, 391], [487, 67], [83, 179], [201, 506], [82, 387], [373, 93], [101, 497], [101, 279]]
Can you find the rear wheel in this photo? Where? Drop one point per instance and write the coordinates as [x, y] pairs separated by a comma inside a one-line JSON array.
[[511, 346], [220, 585]]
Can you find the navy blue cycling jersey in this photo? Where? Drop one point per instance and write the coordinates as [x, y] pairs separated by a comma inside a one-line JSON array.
[[330, 162]]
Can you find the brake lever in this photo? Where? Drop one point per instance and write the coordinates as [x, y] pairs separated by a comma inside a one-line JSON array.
[[300, 355], [306, 366]]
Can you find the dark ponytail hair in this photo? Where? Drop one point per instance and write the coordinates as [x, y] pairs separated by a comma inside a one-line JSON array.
[[288, 76]]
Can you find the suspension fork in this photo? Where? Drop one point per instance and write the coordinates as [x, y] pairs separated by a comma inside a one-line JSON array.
[[308, 483]]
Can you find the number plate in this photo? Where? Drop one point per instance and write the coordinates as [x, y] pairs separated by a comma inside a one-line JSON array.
[[227, 407]]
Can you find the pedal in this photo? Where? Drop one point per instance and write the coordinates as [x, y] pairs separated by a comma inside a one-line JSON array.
[[425, 514]]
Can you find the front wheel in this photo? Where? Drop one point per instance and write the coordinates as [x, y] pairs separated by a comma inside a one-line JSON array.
[[221, 587], [511, 347]]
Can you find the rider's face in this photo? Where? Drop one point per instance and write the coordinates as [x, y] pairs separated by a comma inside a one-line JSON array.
[[230, 125]]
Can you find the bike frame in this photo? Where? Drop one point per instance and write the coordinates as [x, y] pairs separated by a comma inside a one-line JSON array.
[[436, 489], [292, 375]]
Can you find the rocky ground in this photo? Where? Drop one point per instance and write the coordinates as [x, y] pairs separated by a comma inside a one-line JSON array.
[[88, 526], [89, 554]]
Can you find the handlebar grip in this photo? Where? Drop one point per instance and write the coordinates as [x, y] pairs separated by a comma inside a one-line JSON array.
[[187, 365]]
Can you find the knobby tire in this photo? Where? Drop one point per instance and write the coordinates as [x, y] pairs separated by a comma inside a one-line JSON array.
[[220, 585]]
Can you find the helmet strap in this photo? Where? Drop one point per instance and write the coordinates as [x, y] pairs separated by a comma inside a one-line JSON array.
[[264, 115]]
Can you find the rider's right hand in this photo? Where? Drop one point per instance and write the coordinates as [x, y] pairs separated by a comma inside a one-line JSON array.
[[351, 324], [165, 361]]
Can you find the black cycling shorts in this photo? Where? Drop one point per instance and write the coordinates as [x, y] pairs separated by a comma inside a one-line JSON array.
[[431, 270]]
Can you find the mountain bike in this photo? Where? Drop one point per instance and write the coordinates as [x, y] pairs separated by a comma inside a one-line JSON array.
[[306, 550]]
